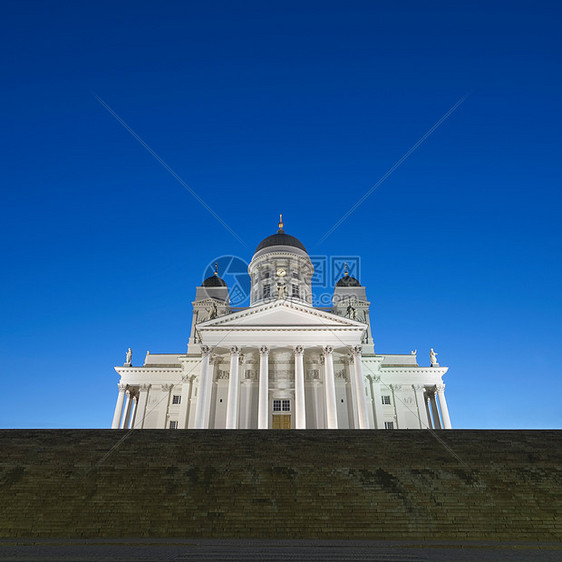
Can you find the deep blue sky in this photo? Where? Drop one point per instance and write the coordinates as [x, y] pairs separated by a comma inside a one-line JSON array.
[[293, 107]]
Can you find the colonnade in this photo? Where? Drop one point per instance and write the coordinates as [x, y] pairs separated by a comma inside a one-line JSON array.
[[430, 403], [202, 409], [436, 421], [130, 407]]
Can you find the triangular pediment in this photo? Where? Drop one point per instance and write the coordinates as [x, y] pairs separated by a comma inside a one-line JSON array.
[[281, 314]]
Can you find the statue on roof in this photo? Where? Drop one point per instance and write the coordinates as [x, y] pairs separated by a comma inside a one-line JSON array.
[[129, 357], [433, 358]]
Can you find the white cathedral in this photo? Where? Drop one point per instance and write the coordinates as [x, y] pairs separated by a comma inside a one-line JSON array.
[[281, 363]]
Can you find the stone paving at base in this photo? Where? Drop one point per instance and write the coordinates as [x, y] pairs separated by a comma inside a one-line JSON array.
[[186, 550]]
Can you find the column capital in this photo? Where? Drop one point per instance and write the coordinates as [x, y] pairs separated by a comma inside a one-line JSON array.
[[418, 387], [234, 350], [187, 378], [122, 387], [205, 350], [298, 349], [133, 391], [395, 386], [377, 378], [356, 350], [144, 387], [264, 350], [167, 387], [327, 349], [439, 388]]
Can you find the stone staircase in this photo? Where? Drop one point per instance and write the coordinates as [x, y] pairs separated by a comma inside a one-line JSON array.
[[403, 484]]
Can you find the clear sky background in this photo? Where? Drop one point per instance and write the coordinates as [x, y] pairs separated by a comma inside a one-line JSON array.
[[293, 107]]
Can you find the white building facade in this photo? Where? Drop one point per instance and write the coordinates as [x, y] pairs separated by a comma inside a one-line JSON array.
[[281, 363]]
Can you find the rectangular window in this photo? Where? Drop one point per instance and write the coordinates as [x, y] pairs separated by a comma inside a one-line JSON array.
[[266, 291], [389, 425], [266, 275], [385, 400], [296, 291], [176, 399], [295, 275], [281, 405], [173, 425]]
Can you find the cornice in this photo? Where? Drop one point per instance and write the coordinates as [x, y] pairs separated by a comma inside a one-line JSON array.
[[440, 371], [283, 329], [146, 370], [280, 303], [279, 254]]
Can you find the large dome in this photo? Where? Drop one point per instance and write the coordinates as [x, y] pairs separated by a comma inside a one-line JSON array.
[[280, 239]]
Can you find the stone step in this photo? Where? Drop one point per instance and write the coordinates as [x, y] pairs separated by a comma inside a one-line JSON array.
[[393, 485]]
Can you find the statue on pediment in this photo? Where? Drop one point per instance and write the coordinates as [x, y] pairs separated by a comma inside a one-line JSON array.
[[213, 311]]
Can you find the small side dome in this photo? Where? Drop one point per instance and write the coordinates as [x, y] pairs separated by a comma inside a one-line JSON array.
[[347, 280], [214, 280]]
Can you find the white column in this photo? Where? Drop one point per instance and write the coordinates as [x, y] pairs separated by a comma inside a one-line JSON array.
[[359, 383], [186, 387], [353, 393], [246, 390], [135, 399], [421, 406], [395, 388], [162, 420], [119, 407], [316, 400], [127, 408], [233, 389], [377, 402], [434, 410], [205, 378], [443, 406], [330, 389], [263, 392], [141, 406], [300, 402], [428, 413]]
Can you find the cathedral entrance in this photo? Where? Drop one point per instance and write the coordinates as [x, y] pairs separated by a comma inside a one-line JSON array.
[[281, 414], [281, 421]]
